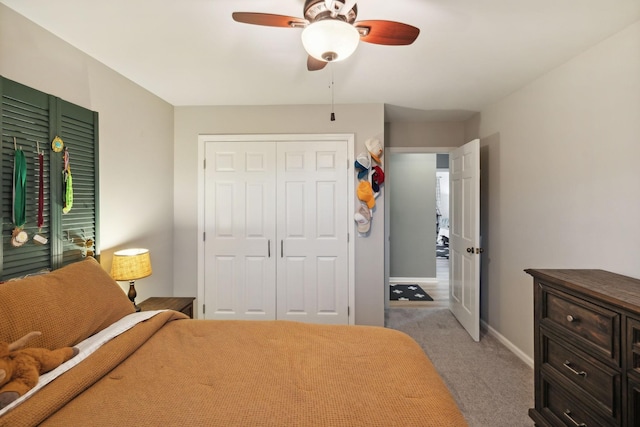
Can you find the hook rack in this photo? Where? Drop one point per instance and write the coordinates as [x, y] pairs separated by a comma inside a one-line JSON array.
[[15, 145]]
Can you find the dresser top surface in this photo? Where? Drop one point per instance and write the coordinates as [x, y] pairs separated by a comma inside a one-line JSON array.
[[611, 287]]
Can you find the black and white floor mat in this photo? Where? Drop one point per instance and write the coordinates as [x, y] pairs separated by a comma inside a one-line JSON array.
[[408, 293]]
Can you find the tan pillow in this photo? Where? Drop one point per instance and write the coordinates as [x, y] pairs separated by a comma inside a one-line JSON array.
[[66, 305]]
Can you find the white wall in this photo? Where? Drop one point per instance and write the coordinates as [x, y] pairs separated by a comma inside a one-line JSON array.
[[443, 177], [136, 142], [365, 121], [560, 179]]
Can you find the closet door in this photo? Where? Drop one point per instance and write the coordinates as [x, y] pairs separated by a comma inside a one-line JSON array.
[[312, 232], [240, 224]]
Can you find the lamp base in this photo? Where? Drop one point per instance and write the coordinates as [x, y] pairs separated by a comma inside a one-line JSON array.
[[132, 294]]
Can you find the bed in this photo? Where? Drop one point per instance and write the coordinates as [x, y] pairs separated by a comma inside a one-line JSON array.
[[162, 368]]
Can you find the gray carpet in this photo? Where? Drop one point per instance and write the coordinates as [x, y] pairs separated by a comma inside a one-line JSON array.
[[492, 386]]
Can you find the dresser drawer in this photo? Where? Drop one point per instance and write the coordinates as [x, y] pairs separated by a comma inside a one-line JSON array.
[[633, 345], [592, 327], [597, 380], [633, 389], [561, 407]]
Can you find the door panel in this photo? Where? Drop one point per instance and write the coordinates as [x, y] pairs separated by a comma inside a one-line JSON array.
[[239, 271], [464, 236], [327, 268], [313, 266], [223, 271]]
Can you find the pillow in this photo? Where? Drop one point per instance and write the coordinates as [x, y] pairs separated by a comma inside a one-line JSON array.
[[67, 305]]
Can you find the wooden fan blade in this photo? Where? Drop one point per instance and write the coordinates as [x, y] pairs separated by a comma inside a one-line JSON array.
[[314, 64], [268, 19], [388, 32]]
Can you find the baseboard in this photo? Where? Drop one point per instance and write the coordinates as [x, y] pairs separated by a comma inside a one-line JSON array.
[[504, 341], [416, 280]]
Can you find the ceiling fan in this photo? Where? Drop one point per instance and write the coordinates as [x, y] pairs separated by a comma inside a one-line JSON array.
[[330, 31]]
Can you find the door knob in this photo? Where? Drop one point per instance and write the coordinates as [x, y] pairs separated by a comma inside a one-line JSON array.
[[476, 250]]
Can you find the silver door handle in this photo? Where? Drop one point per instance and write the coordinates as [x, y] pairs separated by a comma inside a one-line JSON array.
[[269, 248], [281, 248]]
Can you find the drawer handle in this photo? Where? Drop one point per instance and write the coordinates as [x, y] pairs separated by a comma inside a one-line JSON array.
[[567, 414], [567, 365], [571, 318]]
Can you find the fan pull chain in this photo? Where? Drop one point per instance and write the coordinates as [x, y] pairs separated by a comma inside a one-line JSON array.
[[333, 116]]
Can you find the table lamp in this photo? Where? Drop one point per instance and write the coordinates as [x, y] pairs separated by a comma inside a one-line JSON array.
[[131, 265]]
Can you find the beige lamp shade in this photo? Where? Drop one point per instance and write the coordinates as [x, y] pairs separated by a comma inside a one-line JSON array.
[[131, 264]]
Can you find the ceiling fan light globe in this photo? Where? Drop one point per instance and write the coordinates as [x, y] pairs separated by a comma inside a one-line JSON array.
[[330, 40]]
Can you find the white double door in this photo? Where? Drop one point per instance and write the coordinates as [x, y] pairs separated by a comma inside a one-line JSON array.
[[275, 221]]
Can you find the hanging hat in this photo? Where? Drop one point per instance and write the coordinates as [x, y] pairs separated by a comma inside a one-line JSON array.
[[365, 193], [377, 178], [362, 164], [375, 148], [363, 219]]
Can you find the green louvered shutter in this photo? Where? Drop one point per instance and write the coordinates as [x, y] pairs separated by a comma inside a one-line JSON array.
[[32, 116], [25, 114], [78, 130]]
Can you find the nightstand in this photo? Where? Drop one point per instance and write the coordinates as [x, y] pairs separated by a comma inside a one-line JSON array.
[[181, 304]]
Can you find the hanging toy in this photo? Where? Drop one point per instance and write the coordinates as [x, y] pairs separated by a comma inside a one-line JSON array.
[[68, 184], [19, 237], [57, 145]]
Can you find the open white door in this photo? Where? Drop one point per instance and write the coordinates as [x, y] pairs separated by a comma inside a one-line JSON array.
[[464, 236]]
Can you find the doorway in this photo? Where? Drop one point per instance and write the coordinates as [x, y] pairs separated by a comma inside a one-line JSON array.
[[417, 216]]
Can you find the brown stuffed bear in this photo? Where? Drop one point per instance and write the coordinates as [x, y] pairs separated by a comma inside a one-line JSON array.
[[20, 369]]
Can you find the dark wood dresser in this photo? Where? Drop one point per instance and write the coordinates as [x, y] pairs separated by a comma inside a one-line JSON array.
[[586, 349]]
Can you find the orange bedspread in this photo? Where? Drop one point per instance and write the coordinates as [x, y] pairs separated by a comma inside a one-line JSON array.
[[173, 371]]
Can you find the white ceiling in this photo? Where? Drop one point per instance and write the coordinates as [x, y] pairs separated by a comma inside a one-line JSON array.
[[469, 52]]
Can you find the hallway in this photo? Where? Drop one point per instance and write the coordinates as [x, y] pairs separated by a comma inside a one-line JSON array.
[[438, 291]]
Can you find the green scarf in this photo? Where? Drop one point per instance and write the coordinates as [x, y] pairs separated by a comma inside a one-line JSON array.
[[68, 192], [19, 189]]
